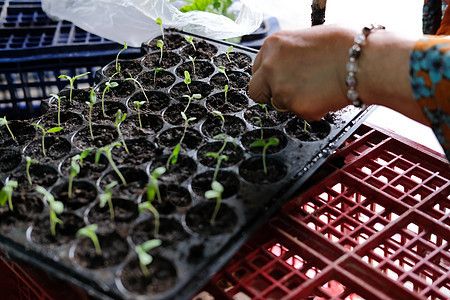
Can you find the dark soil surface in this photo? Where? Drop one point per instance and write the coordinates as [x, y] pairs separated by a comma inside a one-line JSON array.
[[236, 80], [252, 170], [234, 102], [83, 193], [88, 169], [195, 87], [173, 116], [103, 135], [269, 118], [178, 172], [315, 131], [172, 41], [171, 137], [233, 153], [136, 182], [169, 59], [202, 183], [203, 50], [55, 148], [23, 132], [69, 121], [249, 137], [127, 67], [170, 231], [156, 101], [198, 219], [9, 159], [238, 60], [151, 125], [233, 126], [203, 69], [162, 79]]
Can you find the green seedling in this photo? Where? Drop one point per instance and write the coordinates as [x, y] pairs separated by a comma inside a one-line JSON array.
[[6, 193], [108, 85], [304, 126], [29, 162], [220, 115], [108, 152], [194, 96], [264, 106], [71, 81], [125, 46], [144, 258], [222, 70], [90, 232], [138, 83], [120, 117], [218, 155], [84, 154], [215, 193], [138, 105], [59, 106], [147, 205], [74, 171], [258, 122], [154, 76], [262, 143], [187, 80], [152, 192], [44, 133], [228, 53], [226, 93], [190, 40], [159, 22], [56, 208], [106, 197], [192, 59], [160, 45], [90, 103], [4, 122], [173, 158]]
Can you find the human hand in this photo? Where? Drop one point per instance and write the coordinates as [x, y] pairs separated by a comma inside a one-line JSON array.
[[303, 71]]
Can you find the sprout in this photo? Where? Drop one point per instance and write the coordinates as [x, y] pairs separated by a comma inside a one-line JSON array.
[[117, 58], [4, 122], [90, 103], [6, 193], [264, 106], [215, 192], [120, 117], [154, 76], [138, 83], [190, 40], [108, 152], [106, 197], [59, 106], [152, 191], [138, 105], [187, 80], [262, 143], [192, 59], [226, 92], [56, 208], [74, 171], [72, 80], [222, 70], [228, 53], [108, 85], [173, 158], [159, 22], [90, 232], [160, 45], [196, 96], [44, 132], [220, 115], [84, 154], [29, 162], [218, 155], [144, 258]]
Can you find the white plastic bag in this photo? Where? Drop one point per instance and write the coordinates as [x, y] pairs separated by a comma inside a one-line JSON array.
[[133, 21]]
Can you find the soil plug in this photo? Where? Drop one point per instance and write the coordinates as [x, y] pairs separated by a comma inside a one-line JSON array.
[[190, 40], [159, 22], [71, 81], [29, 162], [56, 208], [44, 132], [187, 80], [74, 171], [108, 152], [228, 53], [154, 77], [59, 106], [144, 258], [108, 85], [90, 103], [106, 197], [222, 70], [120, 117], [90, 232], [160, 45], [138, 105], [262, 143], [138, 83], [220, 115], [215, 192], [152, 191], [4, 122], [196, 96], [192, 59], [6, 193]]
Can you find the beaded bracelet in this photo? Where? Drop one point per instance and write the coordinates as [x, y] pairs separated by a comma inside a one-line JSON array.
[[352, 65]]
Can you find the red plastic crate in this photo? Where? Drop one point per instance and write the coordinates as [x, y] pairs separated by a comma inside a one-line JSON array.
[[373, 224]]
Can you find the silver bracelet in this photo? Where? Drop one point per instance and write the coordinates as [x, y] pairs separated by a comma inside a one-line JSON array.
[[352, 64]]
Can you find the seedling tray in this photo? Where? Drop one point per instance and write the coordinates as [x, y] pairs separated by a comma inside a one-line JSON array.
[[192, 250]]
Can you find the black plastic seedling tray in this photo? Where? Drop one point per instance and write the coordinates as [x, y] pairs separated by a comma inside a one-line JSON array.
[[192, 250]]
